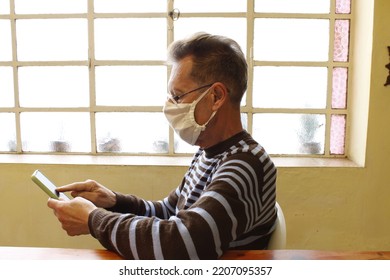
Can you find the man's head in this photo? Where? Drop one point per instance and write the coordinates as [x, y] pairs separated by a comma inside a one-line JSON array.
[[214, 59], [208, 79]]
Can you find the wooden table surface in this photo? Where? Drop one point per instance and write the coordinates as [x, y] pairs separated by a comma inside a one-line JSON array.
[[33, 253], [305, 255]]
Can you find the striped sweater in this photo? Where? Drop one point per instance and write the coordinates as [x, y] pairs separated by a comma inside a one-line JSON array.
[[226, 200]]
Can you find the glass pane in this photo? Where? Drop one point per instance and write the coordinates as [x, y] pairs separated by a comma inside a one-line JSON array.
[[123, 39], [289, 87], [290, 133], [58, 132], [131, 85], [296, 6], [343, 6], [182, 147], [6, 87], [243, 100], [244, 121], [4, 7], [129, 6], [50, 6], [291, 39], [337, 134], [8, 132], [188, 6], [54, 86], [339, 88], [5, 39], [132, 132], [234, 28], [52, 39], [341, 40]]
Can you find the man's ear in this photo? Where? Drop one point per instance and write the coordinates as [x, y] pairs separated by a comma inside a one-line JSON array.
[[220, 94]]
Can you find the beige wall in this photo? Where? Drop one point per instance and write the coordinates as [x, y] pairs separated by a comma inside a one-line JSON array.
[[326, 208], [25, 218]]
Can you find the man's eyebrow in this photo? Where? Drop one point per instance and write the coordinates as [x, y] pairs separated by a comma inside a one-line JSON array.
[[175, 91]]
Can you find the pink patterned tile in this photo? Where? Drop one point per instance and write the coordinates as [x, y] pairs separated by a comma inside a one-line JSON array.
[[337, 134], [339, 88], [341, 40], [343, 6]]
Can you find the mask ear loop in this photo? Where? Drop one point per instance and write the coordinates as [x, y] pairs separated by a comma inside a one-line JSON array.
[[193, 105], [200, 97], [211, 117]]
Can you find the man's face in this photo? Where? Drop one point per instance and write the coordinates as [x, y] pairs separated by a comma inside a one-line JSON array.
[[180, 82]]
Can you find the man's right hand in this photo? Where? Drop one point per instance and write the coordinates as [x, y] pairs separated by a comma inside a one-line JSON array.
[[92, 191]]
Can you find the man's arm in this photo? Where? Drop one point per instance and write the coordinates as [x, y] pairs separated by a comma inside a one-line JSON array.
[[233, 204], [126, 203], [202, 231]]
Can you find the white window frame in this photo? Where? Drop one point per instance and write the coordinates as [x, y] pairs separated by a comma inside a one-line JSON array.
[[92, 63]]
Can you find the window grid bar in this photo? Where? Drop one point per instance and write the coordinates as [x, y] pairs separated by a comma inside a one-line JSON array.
[[130, 15], [129, 62], [49, 16], [170, 39], [250, 38], [163, 63], [93, 109], [92, 80], [85, 63], [301, 63], [293, 110], [331, 15], [15, 77], [330, 79], [158, 109], [52, 63], [351, 53], [182, 15]]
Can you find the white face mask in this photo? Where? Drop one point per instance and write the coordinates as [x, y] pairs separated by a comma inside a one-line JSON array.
[[181, 118]]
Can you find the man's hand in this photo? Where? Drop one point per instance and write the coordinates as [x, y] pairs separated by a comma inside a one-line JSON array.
[[93, 191], [73, 214]]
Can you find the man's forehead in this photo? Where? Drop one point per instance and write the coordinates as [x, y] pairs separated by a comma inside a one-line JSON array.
[[182, 67], [180, 72]]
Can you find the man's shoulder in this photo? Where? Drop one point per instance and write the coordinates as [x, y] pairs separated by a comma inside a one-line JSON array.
[[240, 147], [247, 147]]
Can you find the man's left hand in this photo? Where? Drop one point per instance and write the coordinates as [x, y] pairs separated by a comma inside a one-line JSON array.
[[72, 214]]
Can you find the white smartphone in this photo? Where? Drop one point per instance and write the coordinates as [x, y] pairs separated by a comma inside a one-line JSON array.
[[47, 186]]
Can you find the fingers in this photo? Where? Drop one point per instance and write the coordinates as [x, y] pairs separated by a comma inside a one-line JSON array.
[[92, 191], [75, 187], [79, 188], [73, 215], [53, 203]]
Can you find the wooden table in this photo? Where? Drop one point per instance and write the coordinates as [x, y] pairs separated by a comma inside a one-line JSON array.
[[33, 253], [305, 255]]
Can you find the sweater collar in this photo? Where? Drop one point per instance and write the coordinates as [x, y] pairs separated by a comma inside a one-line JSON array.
[[225, 145]]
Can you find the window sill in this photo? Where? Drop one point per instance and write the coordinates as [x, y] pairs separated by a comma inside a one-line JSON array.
[[282, 162]]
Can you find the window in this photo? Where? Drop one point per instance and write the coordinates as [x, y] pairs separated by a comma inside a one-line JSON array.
[[89, 77]]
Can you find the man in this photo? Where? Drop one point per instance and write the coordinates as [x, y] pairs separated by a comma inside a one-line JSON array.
[[227, 197]]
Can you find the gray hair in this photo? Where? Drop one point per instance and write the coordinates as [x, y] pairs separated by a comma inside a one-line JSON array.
[[215, 59]]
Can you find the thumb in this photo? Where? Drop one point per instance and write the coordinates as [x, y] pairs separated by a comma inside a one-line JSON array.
[[53, 203]]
